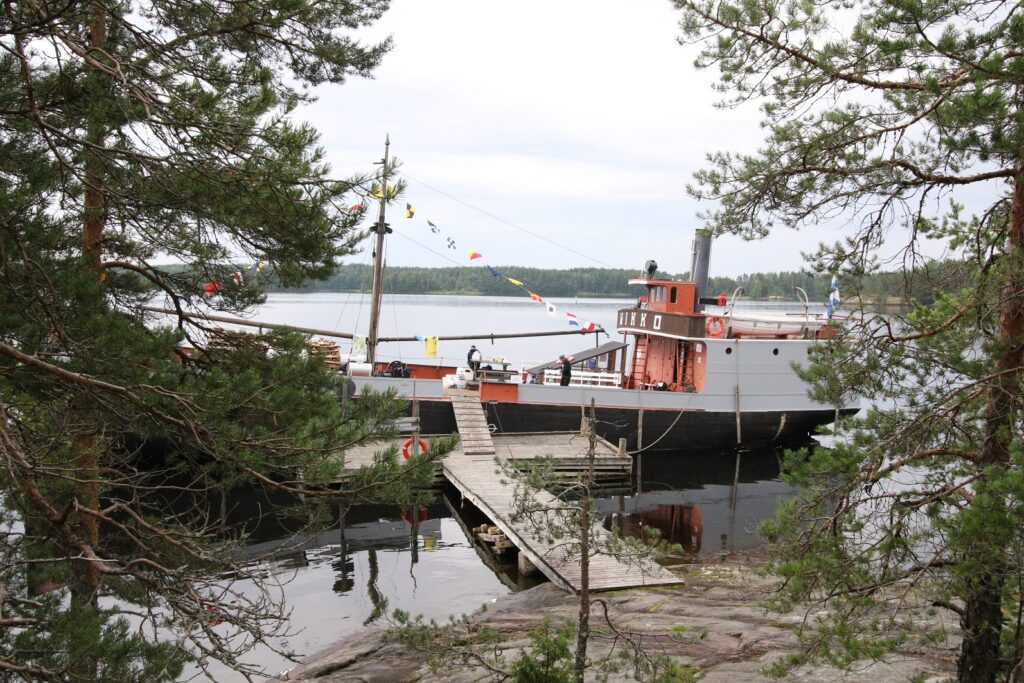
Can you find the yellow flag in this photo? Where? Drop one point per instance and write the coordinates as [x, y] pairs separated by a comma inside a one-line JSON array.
[[431, 347], [517, 283]]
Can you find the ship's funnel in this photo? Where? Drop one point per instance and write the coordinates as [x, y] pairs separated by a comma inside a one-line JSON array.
[[700, 263]]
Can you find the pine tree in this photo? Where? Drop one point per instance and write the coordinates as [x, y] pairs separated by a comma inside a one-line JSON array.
[[888, 116], [133, 133]]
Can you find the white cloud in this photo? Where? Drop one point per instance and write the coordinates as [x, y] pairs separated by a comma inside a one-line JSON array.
[[577, 120]]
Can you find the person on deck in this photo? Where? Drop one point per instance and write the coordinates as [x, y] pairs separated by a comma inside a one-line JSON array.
[[566, 366], [473, 358]]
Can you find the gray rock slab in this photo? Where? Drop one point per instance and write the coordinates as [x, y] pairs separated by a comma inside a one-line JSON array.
[[713, 622]]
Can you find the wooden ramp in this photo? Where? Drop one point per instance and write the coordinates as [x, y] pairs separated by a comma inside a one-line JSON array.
[[478, 479], [472, 423]]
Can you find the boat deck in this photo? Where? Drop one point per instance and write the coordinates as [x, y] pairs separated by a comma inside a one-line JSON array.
[[567, 451]]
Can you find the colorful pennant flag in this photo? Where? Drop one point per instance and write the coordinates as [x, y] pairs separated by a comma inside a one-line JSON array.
[[237, 277], [431, 347], [410, 211], [211, 287]]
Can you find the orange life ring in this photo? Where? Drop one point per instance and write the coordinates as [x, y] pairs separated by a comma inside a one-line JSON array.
[[405, 510], [408, 442], [714, 327]]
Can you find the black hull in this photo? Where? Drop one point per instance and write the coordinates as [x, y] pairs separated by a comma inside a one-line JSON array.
[[658, 430]]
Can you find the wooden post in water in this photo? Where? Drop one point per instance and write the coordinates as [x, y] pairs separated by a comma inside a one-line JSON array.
[[736, 480], [525, 567], [414, 535], [739, 434], [415, 445]]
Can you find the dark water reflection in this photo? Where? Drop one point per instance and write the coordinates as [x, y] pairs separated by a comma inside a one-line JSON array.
[[421, 559], [707, 503]]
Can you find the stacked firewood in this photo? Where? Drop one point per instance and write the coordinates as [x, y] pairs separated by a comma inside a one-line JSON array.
[[494, 537], [328, 350]]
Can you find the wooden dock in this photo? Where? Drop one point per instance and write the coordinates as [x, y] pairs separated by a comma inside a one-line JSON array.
[[479, 481], [474, 468]]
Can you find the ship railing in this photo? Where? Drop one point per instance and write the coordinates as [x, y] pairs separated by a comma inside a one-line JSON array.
[[584, 378]]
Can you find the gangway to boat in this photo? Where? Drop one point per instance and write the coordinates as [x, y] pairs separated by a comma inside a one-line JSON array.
[[474, 433]]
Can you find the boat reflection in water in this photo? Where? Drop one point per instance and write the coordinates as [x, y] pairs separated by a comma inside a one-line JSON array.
[[423, 559], [709, 506]]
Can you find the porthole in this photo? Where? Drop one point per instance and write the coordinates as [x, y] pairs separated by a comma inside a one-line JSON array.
[[775, 352], [728, 350]]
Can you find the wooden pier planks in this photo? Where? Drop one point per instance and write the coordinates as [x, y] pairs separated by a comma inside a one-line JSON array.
[[469, 416], [478, 479]]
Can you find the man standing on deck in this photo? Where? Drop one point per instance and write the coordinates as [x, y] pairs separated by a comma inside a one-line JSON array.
[[473, 358], [566, 366]]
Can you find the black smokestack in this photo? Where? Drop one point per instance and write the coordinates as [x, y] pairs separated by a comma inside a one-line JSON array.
[[700, 264]]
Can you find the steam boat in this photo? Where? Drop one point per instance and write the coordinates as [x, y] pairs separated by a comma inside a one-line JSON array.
[[690, 373]]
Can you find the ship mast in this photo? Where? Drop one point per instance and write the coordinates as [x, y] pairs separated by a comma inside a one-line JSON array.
[[378, 261]]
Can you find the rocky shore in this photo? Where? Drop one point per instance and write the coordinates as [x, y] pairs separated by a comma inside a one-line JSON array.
[[712, 623]]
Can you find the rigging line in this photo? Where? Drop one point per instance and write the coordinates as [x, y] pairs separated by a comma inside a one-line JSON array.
[[442, 255], [394, 314], [509, 223], [362, 302], [344, 307], [665, 433], [435, 253]]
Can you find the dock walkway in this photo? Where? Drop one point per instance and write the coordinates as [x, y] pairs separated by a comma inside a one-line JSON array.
[[474, 469], [479, 480]]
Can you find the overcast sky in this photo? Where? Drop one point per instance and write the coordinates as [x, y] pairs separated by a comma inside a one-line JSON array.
[[548, 134]]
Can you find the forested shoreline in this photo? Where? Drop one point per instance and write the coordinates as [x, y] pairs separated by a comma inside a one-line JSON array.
[[920, 285]]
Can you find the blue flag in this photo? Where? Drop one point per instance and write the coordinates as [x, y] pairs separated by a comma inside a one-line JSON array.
[[833, 297]]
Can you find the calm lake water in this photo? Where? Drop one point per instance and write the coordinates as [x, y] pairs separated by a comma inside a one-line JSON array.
[[345, 579], [407, 315]]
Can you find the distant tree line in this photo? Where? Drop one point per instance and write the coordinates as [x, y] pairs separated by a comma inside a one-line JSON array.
[[612, 282]]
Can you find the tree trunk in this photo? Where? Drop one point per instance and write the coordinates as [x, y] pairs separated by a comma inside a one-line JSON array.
[[84, 574], [583, 621], [982, 619]]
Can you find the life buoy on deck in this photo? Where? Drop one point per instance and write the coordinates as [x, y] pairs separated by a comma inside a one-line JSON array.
[[714, 327], [408, 442]]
